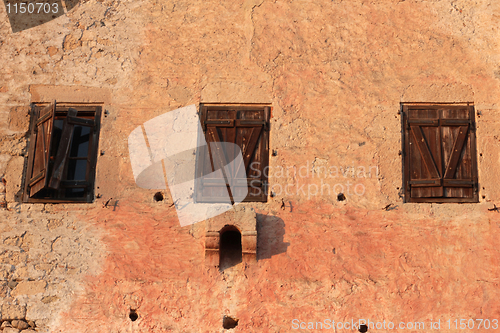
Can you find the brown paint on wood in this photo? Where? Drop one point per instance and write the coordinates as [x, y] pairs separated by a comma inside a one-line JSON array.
[[439, 144], [41, 136], [247, 127]]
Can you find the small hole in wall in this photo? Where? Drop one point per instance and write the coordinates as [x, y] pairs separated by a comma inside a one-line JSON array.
[[158, 196], [363, 328], [228, 322], [484, 197], [340, 197], [481, 154], [133, 315]]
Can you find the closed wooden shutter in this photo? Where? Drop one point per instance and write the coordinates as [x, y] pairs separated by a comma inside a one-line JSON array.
[[40, 143], [248, 128], [440, 154]]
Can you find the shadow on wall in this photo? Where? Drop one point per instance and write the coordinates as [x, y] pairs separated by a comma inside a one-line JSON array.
[[270, 232]]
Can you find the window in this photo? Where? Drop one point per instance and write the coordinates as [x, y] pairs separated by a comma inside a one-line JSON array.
[[62, 153], [248, 128], [439, 153]]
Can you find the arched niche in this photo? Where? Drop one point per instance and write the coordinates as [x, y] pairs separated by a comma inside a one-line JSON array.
[[231, 238], [230, 250]]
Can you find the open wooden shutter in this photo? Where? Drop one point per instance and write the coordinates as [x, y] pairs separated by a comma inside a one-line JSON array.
[[440, 155], [248, 129], [40, 143]]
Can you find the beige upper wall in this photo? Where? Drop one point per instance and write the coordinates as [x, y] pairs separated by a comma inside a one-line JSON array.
[[335, 73]]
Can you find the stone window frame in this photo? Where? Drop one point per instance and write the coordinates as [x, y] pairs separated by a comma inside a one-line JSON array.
[[241, 218]]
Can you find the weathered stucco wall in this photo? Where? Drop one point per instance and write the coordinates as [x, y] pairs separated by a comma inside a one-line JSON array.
[[335, 73]]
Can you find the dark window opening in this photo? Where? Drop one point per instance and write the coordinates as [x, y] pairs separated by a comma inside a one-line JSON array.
[[439, 152], [229, 130], [230, 250], [62, 153]]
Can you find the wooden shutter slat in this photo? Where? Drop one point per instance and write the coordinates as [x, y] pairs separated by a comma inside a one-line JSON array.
[[459, 158], [233, 151], [433, 139], [248, 152], [36, 178], [217, 153], [63, 150], [252, 143], [218, 157], [456, 152], [424, 151], [265, 155], [45, 116], [42, 134]]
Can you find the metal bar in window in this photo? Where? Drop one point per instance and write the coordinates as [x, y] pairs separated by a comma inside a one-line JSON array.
[[455, 122], [458, 182], [80, 121], [220, 123], [245, 123], [74, 183], [423, 122], [426, 182]]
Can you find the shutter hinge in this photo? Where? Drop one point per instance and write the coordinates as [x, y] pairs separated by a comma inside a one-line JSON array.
[[222, 123]]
